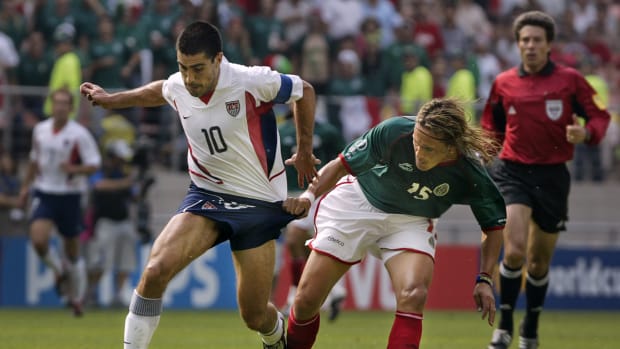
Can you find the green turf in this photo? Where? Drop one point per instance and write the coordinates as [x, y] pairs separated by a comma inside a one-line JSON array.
[[55, 329]]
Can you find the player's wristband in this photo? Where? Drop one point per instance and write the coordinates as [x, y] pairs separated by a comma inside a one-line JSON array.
[[308, 195], [486, 278]]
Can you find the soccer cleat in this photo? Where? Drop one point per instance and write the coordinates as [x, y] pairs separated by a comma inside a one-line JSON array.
[[281, 343], [77, 308], [335, 305], [528, 343], [62, 284], [501, 339]]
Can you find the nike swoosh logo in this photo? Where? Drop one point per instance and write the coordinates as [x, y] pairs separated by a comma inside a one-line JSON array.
[[186, 117], [125, 342]]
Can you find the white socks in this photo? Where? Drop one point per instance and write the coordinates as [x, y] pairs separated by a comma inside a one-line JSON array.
[[141, 322], [274, 335]]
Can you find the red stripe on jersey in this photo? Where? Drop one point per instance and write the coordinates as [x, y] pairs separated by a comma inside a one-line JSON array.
[[206, 175], [276, 175], [253, 115], [75, 158]]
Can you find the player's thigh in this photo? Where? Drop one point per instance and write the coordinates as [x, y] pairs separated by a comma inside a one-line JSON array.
[[186, 237], [320, 274], [410, 271], [254, 268], [517, 227]]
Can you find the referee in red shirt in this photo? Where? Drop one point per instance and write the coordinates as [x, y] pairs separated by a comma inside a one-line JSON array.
[[532, 110]]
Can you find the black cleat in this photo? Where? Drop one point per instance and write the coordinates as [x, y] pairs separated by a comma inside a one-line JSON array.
[[334, 308]]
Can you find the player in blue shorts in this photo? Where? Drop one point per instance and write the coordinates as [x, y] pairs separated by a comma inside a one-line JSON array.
[[383, 195], [63, 153], [238, 184]]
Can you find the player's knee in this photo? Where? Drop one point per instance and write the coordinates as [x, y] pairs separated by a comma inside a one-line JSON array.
[[412, 299], [305, 307], [537, 269], [514, 257], [156, 275], [253, 319]]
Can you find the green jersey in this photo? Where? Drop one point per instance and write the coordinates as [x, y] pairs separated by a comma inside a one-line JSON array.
[[383, 160]]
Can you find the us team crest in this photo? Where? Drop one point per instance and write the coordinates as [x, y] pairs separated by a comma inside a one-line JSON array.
[[233, 108], [554, 108]]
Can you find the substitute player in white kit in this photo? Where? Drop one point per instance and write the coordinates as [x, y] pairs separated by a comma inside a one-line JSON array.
[[63, 153], [238, 185]]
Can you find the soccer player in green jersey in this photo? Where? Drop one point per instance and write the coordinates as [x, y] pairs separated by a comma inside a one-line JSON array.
[[385, 192]]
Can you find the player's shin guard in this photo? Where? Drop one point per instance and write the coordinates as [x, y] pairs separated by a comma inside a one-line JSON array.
[[406, 331], [535, 292], [141, 322], [510, 285], [302, 335]]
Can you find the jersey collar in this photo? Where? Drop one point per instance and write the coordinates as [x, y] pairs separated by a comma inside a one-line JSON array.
[[545, 71]]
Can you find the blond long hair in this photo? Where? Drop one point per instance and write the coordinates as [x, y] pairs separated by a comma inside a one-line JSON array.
[[446, 118]]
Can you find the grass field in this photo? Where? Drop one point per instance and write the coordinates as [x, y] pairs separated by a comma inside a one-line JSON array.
[[55, 329]]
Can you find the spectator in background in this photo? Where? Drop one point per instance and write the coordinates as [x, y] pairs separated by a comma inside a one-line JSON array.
[[266, 31], [588, 156], [426, 31], [111, 248], [67, 70], [34, 69], [454, 37], [417, 84], [63, 153], [9, 59], [531, 108], [472, 19], [12, 216], [346, 89], [237, 47], [462, 85], [313, 58], [342, 17], [13, 22], [293, 15], [385, 13]]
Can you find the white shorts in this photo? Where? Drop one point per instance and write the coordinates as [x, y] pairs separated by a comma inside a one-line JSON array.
[[348, 227], [113, 246]]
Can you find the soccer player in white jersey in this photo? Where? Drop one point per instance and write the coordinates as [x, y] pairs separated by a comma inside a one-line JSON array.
[[63, 153], [238, 184], [408, 171]]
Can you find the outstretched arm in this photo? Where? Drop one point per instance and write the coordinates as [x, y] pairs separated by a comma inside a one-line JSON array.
[[304, 124], [483, 291], [149, 95], [326, 179]]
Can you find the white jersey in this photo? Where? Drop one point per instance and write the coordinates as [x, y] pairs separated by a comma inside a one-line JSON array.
[[233, 140], [71, 144]]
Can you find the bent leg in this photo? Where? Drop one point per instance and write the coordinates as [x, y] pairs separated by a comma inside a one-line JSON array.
[[319, 276], [185, 238], [411, 275]]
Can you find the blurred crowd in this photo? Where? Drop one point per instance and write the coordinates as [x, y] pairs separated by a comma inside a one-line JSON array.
[[367, 59]]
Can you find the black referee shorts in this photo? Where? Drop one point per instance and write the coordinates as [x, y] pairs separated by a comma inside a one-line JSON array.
[[544, 188]]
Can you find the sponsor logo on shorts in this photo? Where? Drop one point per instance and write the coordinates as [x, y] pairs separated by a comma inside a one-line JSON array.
[[208, 206], [335, 240], [431, 241]]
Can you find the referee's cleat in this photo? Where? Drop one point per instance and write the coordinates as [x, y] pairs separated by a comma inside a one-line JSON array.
[[501, 339], [528, 343], [77, 308]]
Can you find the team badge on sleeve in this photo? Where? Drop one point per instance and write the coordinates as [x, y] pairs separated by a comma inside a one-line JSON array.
[[598, 102], [233, 108], [554, 108]]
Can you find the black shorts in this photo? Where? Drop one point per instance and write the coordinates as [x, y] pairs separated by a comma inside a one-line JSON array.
[[544, 188], [247, 223]]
